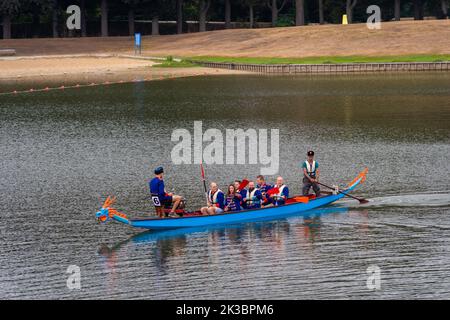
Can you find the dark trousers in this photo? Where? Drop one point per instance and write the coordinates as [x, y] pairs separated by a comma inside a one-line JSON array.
[[307, 186]]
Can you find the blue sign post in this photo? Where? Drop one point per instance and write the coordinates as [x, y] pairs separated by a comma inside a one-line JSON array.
[[137, 43]]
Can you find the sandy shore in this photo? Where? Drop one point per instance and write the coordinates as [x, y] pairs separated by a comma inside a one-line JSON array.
[[40, 72], [48, 67]]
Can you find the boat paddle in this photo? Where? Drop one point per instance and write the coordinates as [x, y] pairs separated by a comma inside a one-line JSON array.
[[204, 183], [361, 200], [243, 184]]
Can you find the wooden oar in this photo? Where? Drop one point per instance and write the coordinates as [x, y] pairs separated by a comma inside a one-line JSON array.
[[204, 183], [361, 200]]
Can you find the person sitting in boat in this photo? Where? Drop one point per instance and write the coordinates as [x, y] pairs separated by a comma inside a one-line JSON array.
[[233, 199], [263, 187], [216, 200], [279, 198], [254, 197], [310, 175], [159, 195], [240, 193]]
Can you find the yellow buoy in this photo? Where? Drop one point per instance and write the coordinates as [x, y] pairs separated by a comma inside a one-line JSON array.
[[344, 19]]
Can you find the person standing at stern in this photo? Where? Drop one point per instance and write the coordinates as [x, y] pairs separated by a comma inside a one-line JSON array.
[[310, 175]]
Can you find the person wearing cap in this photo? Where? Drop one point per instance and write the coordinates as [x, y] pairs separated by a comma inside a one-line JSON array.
[[310, 174], [159, 195]]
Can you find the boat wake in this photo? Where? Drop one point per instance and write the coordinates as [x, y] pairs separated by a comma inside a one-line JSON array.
[[441, 199]]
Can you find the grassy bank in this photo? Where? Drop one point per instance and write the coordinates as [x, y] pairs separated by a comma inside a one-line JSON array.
[[325, 59], [169, 62]]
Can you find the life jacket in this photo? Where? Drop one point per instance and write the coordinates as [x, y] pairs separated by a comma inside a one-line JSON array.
[[278, 197], [214, 197], [311, 168], [281, 190], [250, 196]]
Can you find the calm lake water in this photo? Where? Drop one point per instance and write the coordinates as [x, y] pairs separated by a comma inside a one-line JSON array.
[[63, 152]]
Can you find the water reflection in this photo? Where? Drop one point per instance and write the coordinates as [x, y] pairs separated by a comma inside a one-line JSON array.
[[168, 244]]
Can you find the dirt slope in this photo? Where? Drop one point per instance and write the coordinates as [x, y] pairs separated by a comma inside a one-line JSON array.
[[395, 38]]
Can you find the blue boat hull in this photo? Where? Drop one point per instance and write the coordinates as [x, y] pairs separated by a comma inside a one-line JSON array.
[[238, 217], [154, 235]]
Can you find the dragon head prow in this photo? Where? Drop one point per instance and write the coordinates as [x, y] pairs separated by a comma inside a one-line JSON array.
[[109, 202], [107, 212]]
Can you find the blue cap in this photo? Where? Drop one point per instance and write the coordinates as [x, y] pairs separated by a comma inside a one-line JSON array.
[[159, 170]]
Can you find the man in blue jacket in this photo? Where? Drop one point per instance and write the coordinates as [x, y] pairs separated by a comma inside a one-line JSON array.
[[253, 198], [280, 198], [159, 195], [264, 188], [216, 201]]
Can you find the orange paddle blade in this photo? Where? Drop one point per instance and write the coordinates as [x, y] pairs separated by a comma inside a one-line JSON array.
[[243, 184], [301, 199]]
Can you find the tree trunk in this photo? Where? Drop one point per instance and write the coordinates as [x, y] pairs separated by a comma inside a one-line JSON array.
[[397, 10], [227, 14], [349, 10], [155, 25], [252, 19], [444, 6], [321, 18], [274, 9], [202, 22], [6, 26], [418, 10], [131, 21], [299, 12], [83, 18], [104, 12], [179, 16], [36, 23], [203, 9], [55, 19]]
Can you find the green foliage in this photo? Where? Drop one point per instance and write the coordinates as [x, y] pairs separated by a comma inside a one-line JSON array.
[[41, 11], [173, 64], [285, 20], [10, 6]]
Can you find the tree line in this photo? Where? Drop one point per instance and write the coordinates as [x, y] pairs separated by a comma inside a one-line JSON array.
[[103, 13]]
